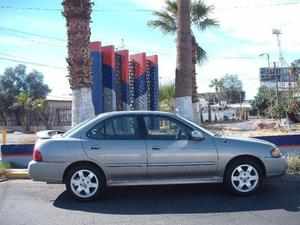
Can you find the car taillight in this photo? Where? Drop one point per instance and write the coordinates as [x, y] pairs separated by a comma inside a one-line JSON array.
[[37, 156]]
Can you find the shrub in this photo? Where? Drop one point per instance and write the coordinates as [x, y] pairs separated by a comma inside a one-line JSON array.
[[293, 164], [3, 168]]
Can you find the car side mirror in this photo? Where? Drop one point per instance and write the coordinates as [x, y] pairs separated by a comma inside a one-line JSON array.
[[197, 136]]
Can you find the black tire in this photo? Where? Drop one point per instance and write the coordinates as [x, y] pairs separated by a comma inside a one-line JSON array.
[[232, 184], [86, 169]]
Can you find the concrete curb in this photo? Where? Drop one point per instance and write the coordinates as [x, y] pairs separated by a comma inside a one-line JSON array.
[[17, 174]]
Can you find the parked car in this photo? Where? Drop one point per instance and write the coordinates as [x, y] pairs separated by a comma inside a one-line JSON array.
[[151, 148]]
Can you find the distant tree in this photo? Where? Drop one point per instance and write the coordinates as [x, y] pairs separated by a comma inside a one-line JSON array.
[[262, 100], [166, 97], [40, 107], [215, 83], [295, 72], [36, 86], [297, 62], [23, 103], [231, 89], [14, 81]]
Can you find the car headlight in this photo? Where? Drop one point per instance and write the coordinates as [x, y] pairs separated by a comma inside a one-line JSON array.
[[276, 153]]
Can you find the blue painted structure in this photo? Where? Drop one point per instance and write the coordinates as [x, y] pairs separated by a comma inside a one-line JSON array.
[[283, 140], [97, 91], [17, 155], [154, 84], [120, 85]]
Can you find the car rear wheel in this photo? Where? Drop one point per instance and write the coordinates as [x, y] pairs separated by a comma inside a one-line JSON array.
[[84, 183], [243, 177]]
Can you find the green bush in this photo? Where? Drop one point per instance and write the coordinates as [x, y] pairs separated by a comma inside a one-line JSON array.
[[293, 164], [3, 168]]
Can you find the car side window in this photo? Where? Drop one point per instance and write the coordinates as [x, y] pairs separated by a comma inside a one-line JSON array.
[[159, 127], [115, 128], [97, 132], [124, 126]]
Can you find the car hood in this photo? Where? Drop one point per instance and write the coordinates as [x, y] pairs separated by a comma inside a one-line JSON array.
[[252, 140], [243, 146], [244, 140]]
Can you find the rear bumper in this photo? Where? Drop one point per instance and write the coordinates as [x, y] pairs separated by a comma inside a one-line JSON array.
[[46, 171], [275, 167]]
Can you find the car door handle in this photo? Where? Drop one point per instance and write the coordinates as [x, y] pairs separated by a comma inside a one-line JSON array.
[[155, 148], [95, 147]]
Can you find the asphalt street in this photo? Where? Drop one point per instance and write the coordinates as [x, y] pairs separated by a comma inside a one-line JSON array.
[[35, 203]]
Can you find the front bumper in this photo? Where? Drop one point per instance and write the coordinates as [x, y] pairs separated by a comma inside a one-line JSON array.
[[275, 167], [46, 171]]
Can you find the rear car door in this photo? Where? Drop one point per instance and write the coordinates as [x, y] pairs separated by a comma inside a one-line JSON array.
[[117, 145], [172, 153]]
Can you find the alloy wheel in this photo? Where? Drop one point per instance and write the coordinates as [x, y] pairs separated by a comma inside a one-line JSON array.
[[84, 183], [244, 178]]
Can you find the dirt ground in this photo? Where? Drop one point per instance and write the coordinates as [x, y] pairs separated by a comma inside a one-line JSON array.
[[247, 128]]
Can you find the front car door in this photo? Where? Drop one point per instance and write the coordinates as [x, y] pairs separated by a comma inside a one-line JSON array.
[[172, 153], [117, 146]]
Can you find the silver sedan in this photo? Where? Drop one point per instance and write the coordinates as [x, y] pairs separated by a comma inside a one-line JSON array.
[[151, 148]]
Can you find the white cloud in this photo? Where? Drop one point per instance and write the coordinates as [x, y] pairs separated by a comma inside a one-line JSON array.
[[256, 23]]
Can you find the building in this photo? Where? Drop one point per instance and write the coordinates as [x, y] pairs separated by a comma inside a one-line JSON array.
[[122, 81], [282, 77]]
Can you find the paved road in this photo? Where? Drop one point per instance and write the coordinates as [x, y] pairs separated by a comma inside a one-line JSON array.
[[27, 202]]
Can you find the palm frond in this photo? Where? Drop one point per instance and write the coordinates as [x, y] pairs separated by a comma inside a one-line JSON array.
[[164, 21], [200, 15], [207, 23], [172, 7], [201, 55]]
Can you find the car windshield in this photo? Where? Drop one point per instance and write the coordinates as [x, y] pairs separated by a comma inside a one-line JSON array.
[[201, 128]]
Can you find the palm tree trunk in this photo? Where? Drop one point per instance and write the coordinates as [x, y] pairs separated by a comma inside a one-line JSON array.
[[209, 111], [194, 81], [78, 16], [184, 67], [195, 99]]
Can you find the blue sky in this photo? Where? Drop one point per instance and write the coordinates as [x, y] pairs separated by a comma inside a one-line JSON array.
[[245, 32]]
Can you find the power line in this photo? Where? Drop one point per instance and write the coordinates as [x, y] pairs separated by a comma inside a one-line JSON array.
[[40, 42], [32, 63], [56, 9], [32, 34], [261, 6], [149, 10]]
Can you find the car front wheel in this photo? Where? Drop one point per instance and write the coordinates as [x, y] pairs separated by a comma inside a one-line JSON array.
[[84, 183], [243, 177]]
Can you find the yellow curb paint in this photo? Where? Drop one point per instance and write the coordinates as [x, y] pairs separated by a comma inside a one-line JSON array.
[[17, 175], [4, 131]]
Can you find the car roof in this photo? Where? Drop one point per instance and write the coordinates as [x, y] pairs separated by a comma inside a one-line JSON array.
[[115, 113]]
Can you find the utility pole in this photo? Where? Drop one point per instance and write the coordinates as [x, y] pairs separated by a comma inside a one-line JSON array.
[[282, 63], [276, 83]]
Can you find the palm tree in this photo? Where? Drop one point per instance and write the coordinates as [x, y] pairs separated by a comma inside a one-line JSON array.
[[167, 21], [166, 97], [78, 17], [41, 108], [23, 103], [217, 84]]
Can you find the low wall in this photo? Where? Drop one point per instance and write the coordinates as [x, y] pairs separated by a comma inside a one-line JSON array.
[[288, 144], [17, 155], [20, 155]]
